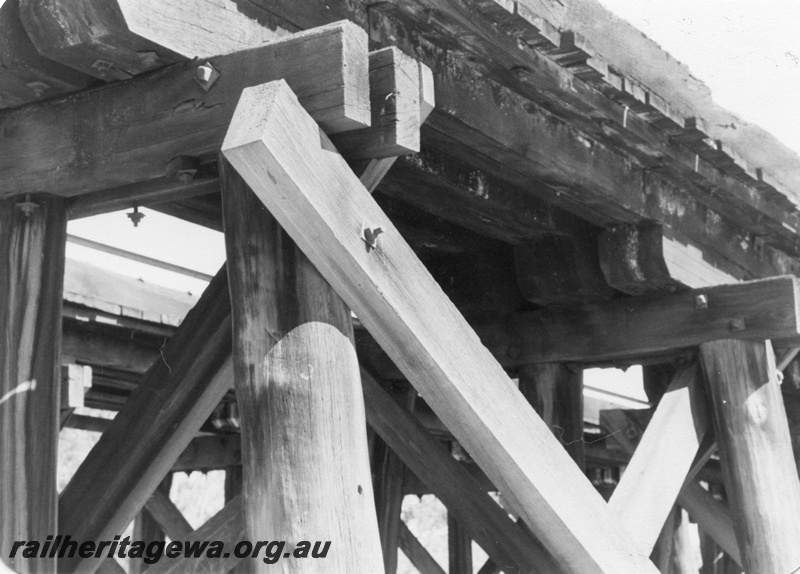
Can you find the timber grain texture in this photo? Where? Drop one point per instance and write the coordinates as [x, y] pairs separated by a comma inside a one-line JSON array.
[[156, 424], [129, 131], [756, 453], [294, 169], [304, 442], [31, 283], [649, 325]]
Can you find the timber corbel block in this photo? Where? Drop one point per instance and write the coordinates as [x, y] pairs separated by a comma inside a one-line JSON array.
[[290, 165], [394, 84]]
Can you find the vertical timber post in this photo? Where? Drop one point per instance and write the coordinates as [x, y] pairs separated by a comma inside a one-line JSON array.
[[756, 452], [555, 391], [304, 443], [459, 546], [32, 238], [146, 528]]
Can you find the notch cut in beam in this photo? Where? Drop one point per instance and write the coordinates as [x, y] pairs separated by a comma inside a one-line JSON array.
[[294, 169], [651, 325]]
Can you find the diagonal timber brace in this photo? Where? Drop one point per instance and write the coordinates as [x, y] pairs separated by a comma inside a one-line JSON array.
[[295, 170]]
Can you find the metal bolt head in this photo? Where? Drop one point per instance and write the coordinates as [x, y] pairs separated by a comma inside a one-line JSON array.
[[701, 301], [737, 324], [206, 75]]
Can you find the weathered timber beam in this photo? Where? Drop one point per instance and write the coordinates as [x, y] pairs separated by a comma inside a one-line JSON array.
[[649, 325], [712, 517], [389, 473], [145, 527], [395, 103], [148, 194], [284, 148], [117, 39], [416, 552], [226, 526], [639, 259], [646, 494], [561, 269], [210, 453], [508, 543], [459, 547], [287, 317], [166, 514], [32, 240], [507, 61], [157, 422], [756, 452], [25, 75], [473, 105], [168, 114]]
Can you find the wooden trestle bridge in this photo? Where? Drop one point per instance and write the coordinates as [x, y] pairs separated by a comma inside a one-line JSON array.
[[437, 213]]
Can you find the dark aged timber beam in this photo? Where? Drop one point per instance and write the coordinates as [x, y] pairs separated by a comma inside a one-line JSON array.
[[25, 75], [649, 325], [296, 373], [145, 527], [472, 113], [417, 553], [137, 127], [462, 494], [756, 452], [391, 292], [157, 422], [116, 39], [32, 240]]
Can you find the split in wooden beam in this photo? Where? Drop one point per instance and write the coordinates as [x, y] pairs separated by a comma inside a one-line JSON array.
[[756, 453], [275, 145], [650, 325], [169, 115], [646, 494], [158, 421], [32, 240]]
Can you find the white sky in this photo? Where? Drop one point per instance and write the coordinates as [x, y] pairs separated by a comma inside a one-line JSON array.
[[746, 51]]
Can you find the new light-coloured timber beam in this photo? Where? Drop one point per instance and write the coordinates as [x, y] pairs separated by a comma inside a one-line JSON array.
[[117, 39], [284, 157], [169, 114], [756, 453], [462, 494], [296, 374], [654, 324], [417, 554], [32, 240], [157, 422], [555, 391], [395, 104], [712, 517], [647, 491], [226, 526], [639, 259]]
